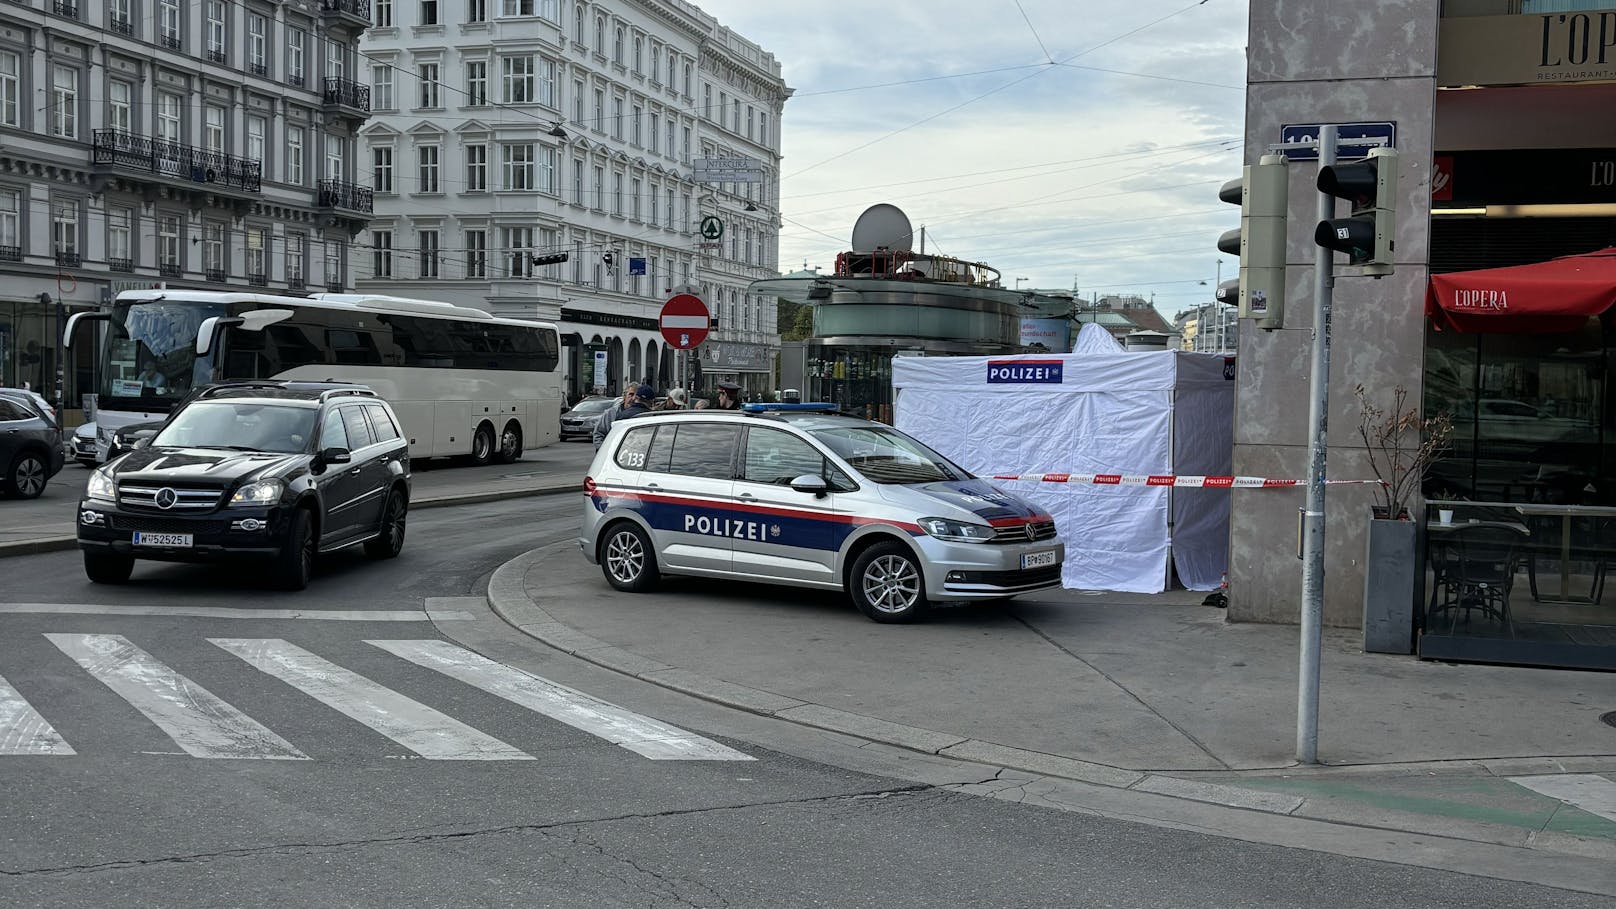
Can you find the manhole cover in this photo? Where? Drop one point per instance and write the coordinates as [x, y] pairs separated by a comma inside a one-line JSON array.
[[1609, 719]]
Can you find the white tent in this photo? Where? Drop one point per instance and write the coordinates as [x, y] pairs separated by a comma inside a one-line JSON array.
[[1099, 410]]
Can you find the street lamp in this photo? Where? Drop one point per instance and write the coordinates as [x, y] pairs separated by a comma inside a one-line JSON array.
[[1018, 282]]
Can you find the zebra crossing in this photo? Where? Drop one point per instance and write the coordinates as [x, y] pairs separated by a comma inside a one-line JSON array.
[[204, 725]]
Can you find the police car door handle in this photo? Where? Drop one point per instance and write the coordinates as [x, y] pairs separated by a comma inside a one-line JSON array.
[[747, 497]]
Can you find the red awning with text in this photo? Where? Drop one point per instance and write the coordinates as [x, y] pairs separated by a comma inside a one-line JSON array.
[[1554, 296]]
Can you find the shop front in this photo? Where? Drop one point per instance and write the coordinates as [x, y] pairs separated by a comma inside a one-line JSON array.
[[750, 366], [1521, 510]]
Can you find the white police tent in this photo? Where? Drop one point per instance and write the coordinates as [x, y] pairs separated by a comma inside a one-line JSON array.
[[1097, 410]]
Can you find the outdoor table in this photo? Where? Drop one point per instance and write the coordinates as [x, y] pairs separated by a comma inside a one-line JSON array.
[[1566, 514]]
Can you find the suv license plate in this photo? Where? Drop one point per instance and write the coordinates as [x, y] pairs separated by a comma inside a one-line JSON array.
[[1038, 559], [178, 540]]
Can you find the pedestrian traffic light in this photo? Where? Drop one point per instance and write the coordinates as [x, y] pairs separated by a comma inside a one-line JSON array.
[[1368, 236], [1262, 192], [550, 259]]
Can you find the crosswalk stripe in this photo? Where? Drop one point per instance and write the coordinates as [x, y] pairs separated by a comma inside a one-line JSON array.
[[23, 730], [198, 721], [1593, 794], [639, 734], [414, 725]]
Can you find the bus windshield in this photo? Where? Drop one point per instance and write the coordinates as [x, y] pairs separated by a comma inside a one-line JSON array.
[[151, 359]]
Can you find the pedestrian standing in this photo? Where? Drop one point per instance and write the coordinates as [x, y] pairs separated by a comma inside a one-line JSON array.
[[729, 396], [606, 419], [676, 399]]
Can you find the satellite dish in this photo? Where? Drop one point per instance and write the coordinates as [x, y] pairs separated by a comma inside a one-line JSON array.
[[883, 225]]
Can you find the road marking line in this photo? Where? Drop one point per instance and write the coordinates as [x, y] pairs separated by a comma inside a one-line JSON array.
[[639, 734], [1593, 794], [198, 721], [227, 612], [410, 723], [23, 730]]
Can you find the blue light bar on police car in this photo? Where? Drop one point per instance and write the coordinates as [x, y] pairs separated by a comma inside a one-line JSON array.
[[823, 407]]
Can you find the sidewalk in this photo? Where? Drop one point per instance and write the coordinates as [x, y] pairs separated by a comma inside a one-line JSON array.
[[46, 523], [1154, 694]]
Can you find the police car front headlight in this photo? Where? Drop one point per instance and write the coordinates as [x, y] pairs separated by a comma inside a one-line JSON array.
[[956, 531]]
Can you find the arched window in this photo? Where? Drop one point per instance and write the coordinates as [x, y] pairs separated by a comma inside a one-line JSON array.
[[600, 35], [578, 24], [617, 47]]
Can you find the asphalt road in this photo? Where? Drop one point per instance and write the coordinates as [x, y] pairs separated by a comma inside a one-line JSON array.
[[227, 758]]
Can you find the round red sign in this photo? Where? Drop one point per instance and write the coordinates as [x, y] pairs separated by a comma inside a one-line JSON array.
[[685, 321]]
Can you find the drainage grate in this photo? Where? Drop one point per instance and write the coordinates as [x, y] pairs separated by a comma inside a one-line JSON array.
[[1609, 719]]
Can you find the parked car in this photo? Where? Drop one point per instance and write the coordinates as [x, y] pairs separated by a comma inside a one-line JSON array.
[[799, 494], [580, 421], [30, 445], [280, 472]]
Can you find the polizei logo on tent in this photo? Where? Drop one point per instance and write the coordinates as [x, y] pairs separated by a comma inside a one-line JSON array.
[[1024, 372]]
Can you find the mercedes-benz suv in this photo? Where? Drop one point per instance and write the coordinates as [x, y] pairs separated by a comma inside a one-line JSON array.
[[279, 472]]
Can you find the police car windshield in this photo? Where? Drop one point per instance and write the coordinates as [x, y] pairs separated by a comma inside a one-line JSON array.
[[885, 455]]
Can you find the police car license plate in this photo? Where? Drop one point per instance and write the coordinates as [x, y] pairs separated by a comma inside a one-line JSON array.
[[175, 540], [1038, 559]]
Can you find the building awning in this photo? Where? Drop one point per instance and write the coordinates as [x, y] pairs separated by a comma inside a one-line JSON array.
[[1554, 296]]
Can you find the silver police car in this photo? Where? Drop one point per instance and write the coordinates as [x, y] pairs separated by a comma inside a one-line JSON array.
[[799, 494]]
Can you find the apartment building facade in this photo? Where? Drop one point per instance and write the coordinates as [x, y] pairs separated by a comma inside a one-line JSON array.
[[509, 132], [189, 143]]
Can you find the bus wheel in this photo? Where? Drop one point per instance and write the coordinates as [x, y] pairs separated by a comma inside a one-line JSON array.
[[482, 445], [510, 443]]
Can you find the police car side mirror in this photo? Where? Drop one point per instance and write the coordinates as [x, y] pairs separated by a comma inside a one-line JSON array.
[[811, 483]]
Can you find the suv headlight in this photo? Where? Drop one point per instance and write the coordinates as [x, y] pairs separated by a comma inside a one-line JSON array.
[[956, 531], [263, 492], [101, 488]]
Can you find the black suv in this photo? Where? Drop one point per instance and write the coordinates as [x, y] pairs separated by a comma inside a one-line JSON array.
[[278, 471]]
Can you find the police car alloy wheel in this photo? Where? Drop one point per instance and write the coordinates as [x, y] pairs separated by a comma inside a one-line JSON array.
[[626, 558], [886, 584]]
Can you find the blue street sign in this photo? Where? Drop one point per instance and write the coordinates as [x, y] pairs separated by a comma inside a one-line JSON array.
[[1346, 133], [636, 266]]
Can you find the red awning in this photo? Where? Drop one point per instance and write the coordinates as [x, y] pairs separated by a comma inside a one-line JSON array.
[[1554, 296]]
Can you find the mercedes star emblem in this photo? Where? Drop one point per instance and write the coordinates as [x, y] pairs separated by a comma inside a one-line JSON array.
[[165, 498]]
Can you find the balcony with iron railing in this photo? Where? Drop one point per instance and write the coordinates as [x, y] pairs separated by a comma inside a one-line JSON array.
[[10, 253], [352, 12], [334, 286], [294, 79], [258, 68], [257, 279], [126, 152], [65, 8], [122, 25], [217, 55], [348, 95], [68, 259], [216, 275], [115, 263], [294, 280], [344, 195], [170, 269], [171, 40]]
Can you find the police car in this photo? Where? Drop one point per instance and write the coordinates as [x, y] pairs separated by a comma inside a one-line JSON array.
[[802, 495]]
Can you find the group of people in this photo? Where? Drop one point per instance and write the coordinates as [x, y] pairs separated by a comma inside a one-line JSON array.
[[642, 400]]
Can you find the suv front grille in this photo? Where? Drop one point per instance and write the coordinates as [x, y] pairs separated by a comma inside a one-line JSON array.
[[143, 524], [1041, 530], [184, 499]]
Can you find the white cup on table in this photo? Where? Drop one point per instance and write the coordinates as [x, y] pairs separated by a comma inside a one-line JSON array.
[[1445, 516]]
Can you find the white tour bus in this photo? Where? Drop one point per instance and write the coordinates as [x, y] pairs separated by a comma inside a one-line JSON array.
[[463, 382]]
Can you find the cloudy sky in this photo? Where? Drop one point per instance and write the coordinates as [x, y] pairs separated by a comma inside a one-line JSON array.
[[1098, 170]]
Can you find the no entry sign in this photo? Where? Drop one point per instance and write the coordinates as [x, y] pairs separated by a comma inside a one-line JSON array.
[[685, 321]]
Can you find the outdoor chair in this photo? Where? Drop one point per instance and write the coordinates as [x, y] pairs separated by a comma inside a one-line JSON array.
[[1478, 574]]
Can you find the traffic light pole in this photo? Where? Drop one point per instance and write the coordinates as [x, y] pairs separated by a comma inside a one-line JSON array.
[[1307, 695]]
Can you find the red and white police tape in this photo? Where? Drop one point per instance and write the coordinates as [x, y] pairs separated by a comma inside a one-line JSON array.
[[1189, 482]]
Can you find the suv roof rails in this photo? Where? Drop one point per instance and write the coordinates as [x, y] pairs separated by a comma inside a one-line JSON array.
[[357, 391], [325, 389]]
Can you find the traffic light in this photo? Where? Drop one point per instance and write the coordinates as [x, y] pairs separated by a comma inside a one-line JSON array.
[[1262, 192], [1368, 236], [550, 259]]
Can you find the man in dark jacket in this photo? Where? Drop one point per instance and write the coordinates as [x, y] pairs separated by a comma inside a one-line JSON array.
[[635, 402], [729, 396]]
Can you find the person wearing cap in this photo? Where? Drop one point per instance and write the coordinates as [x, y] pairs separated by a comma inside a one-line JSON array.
[[676, 400], [636, 400], [729, 396]]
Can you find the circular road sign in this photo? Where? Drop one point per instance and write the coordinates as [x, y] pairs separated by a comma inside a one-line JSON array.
[[685, 321]]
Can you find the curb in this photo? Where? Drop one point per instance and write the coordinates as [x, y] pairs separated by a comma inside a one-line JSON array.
[[64, 543], [507, 596]]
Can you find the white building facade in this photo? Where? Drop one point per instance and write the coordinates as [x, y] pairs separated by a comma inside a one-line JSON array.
[[195, 143], [507, 132]]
